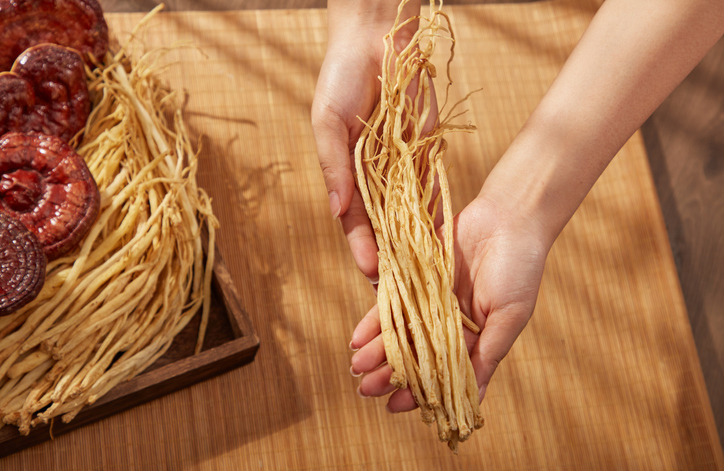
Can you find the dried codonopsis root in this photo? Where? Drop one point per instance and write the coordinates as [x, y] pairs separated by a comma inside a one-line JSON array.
[[397, 166], [112, 306]]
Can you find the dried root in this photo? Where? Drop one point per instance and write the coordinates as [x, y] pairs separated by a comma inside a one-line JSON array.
[[112, 307], [398, 163]]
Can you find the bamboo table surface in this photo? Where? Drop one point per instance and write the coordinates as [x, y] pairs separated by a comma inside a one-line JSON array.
[[605, 376]]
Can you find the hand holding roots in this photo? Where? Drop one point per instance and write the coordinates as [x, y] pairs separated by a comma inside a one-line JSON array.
[[397, 165]]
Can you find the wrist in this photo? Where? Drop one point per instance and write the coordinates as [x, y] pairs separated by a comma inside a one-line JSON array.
[[541, 179]]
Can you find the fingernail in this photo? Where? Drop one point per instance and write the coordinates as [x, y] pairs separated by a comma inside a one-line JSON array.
[[359, 393], [353, 373], [351, 347], [334, 204], [374, 281], [481, 393]]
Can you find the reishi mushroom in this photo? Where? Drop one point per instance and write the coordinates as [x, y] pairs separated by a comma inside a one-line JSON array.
[[46, 185], [74, 23], [45, 91], [17, 101], [22, 265]]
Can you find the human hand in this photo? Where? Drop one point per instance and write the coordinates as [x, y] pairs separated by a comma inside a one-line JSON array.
[[499, 264], [348, 88], [582, 121]]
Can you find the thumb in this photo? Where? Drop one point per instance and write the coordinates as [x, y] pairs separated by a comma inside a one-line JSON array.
[[332, 137], [345, 202], [501, 329]]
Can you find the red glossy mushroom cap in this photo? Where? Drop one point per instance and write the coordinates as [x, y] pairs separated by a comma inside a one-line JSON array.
[[61, 103], [48, 187], [74, 23], [17, 100], [22, 265]]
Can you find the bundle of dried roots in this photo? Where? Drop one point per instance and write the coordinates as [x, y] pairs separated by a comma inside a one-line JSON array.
[[112, 307], [398, 163]]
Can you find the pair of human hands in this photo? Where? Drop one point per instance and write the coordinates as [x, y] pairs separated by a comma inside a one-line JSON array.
[[499, 258], [503, 236]]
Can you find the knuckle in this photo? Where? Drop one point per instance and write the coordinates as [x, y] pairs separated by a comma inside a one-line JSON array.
[[329, 170], [491, 363], [487, 366], [323, 116], [317, 115]]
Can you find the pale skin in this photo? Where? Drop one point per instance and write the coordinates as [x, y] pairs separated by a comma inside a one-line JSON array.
[[628, 61]]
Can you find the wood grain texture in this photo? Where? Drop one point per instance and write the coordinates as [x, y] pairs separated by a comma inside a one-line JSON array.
[[604, 377], [685, 142]]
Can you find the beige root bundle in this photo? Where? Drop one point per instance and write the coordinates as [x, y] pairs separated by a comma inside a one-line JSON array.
[[397, 164], [112, 307]]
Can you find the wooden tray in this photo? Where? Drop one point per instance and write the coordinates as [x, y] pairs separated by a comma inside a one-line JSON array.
[[230, 341]]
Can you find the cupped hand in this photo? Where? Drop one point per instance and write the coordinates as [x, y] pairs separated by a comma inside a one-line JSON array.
[[499, 265]]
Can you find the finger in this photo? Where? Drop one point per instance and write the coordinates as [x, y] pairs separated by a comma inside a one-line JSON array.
[[358, 229], [464, 284], [470, 339], [332, 138], [401, 401], [497, 337], [376, 383], [367, 329], [369, 357]]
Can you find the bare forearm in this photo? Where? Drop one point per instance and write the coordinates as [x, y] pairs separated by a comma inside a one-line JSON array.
[[628, 61]]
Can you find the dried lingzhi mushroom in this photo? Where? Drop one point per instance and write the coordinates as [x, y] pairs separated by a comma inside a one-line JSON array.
[[48, 187], [22, 265], [46, 92], [74, 23], [17, 100]]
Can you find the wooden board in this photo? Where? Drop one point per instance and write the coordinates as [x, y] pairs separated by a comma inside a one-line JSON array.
[[605, 376], [685, 142], [230, 342]]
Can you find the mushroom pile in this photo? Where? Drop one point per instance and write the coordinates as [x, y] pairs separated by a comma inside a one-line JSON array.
[[48, 197]]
